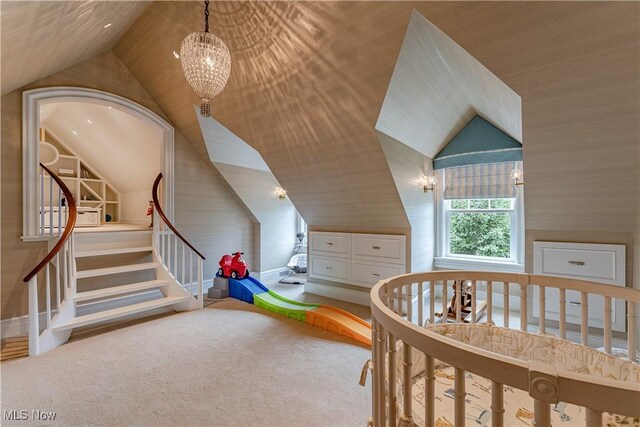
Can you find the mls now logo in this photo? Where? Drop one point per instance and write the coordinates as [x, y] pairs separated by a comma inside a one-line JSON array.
[[24, 415]]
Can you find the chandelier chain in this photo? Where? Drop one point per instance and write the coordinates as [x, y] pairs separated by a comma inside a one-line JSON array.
[[206, 16]]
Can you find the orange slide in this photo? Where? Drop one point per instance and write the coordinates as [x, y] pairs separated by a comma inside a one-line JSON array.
[[341, 322]]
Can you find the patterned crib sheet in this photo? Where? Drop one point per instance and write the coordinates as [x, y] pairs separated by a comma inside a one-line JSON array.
[[518, 404]]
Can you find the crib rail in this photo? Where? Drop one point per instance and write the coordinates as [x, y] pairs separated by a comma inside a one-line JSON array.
[[402, 307]]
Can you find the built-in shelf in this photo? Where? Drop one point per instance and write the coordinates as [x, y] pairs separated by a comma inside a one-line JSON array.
[[88, 187]]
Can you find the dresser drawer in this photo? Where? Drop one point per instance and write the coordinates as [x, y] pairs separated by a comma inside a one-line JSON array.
[[593, 262], [377, 247], [332, 269], [367, 273], [331, 244]]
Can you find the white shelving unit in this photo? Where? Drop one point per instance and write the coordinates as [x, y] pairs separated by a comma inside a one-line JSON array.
[[89, 189]]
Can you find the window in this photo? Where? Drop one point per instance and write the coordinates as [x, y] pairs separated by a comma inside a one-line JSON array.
[[480, 228]]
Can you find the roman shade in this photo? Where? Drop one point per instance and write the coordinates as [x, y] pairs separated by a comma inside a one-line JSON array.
[[488, 181], [479, 142]]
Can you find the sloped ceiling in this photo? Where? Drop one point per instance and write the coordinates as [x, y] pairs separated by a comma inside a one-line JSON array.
[[58, 34], [308, 82], [437, 87], [125, 150]]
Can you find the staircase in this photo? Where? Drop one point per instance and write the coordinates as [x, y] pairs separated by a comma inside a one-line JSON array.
[[96, 275]]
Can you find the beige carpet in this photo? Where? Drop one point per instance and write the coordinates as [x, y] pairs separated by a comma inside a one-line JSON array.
[[229, 364]]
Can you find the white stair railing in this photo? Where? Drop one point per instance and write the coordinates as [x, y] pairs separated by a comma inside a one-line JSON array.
[[178, 257], [56, 222]]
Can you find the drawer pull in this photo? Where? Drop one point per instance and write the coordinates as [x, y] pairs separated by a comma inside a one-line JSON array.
[[329, 268], [576, 303], [375, 274], [577, 263], [375, 247], [81, 213], [329, 243]]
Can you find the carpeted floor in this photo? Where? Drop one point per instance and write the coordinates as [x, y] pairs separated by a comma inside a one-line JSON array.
[[229, 364]]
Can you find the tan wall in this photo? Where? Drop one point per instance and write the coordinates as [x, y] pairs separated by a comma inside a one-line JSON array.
[[276, 218], [205, 211], [407, 167]]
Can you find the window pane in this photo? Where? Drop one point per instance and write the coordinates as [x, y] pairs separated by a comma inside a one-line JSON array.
[[459, 204], [501, 203], [480, 234], [479, 204]]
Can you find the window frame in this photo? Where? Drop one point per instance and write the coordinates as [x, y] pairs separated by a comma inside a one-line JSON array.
[[445, 260]]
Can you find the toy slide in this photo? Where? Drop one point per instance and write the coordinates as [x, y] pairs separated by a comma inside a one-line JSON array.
[[323, 316]]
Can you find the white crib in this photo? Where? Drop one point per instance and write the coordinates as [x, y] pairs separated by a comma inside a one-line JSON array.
[[408, 347]]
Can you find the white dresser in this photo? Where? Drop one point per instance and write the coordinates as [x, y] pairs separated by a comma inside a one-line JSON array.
[[600, 263], [87, 216], [357, 260]]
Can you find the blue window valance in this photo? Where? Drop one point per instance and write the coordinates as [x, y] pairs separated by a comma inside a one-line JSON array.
[[479, 142]]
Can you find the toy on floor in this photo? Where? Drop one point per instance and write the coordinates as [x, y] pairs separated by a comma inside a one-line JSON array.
[[465, 302], [327, 317], [233, 266]]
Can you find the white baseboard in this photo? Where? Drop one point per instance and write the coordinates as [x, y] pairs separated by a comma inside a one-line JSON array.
[[271, 276]]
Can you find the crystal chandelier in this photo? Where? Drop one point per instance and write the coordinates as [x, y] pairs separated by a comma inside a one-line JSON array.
[[206, 63]]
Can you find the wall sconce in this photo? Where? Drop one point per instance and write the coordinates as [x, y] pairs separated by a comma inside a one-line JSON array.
[[281, 192], [517, 175], [429, 183]]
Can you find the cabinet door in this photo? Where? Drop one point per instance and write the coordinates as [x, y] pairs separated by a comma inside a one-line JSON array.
[[380, 248], [330, 244], [332, 269], [367, 274]]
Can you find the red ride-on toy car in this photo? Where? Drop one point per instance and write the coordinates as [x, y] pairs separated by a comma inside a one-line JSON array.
[[233, 266]]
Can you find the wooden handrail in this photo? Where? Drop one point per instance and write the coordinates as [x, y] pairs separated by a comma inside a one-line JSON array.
[[68, 228], [161, 214]]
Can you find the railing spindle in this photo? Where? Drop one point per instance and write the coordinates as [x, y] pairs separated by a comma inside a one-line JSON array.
[[34, 318], [474, 302], [460, 394], [489, 302], [632, 333], [607, 324], [594, 418], [497, 404], [505, 309], [541, 414], [190, 266], [432, 302], [584, 319], [420, 303], [523, 308], [182, 276], [429, 392], [41, 201], [47, 283], [407, 367], [393, 392], [200, 274], [542, 310], [51, 207], [175, 257], [380, 349], [563, 314], [409, 298], [57, 264], [458, 285], [60, 211]]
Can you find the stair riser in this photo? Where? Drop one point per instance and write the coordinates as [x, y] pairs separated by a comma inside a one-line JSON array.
[[104, 241]]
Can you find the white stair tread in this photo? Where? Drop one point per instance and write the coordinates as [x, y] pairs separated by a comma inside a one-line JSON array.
[[114, 251], [115, 270], [102, 316], [118, 290]]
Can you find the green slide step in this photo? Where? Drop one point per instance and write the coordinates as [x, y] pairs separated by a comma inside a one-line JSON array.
[[281, 305]]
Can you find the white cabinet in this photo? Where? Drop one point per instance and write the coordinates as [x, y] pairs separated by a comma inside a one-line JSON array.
[[356, 259], [584, 261]]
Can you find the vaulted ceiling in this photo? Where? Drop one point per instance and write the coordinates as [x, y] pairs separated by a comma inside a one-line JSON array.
[[39, 38], [309, 79]]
